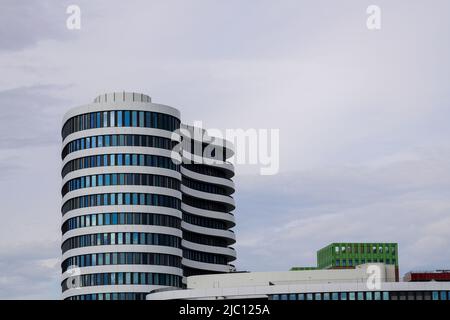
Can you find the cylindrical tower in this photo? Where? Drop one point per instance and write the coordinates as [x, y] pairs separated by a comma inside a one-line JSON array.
[[207, 203], [121, 205]]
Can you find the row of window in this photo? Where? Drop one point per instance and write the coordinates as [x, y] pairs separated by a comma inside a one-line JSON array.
[[206, 170], [123, 258], [203, 186], [365, 248], [120, 159], [110, 296], [355, 262], [111, 199], [204, 257], [204, 221], [121, 179], [118, 140], [121, 238], [204, 239], [188, 272], [122, 218], [204, 204], [120, 118], [122, 278], [368, 295], [205, 149]]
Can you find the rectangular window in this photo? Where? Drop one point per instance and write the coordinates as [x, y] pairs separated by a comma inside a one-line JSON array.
[[114, 218], [107, 140], [119, 119], [112, 118], [127, 116], [99, 121], [155, 120], [148, 119], [114, 179], [141, 119], [134, 120], [114, 140], [105, 119]]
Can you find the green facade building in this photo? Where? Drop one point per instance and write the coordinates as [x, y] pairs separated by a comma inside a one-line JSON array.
[[350, 254]]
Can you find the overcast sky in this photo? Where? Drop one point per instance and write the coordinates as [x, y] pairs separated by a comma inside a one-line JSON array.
[[363, 118]]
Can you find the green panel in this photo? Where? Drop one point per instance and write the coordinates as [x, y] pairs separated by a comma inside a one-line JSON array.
[[349, 254]]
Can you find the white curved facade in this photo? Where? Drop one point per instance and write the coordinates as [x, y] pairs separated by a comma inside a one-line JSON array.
[[136, 216], [121, 198], [207, 204]]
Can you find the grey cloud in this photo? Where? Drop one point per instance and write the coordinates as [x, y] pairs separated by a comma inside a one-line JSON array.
[[406, 201], [24, 23], [30, 116], [30, 271]]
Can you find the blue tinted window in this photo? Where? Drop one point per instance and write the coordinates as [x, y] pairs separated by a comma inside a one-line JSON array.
[[119, 119], [134, 118], [141, 119], [114, 218], [127, 117]]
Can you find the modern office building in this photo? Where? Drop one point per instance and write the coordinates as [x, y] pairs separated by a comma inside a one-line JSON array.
[[349, 254], [207, 204], [342, 255], [328, 284], [128, 202]]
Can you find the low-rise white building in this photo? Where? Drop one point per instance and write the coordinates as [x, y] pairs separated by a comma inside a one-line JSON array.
[[364, 282]]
